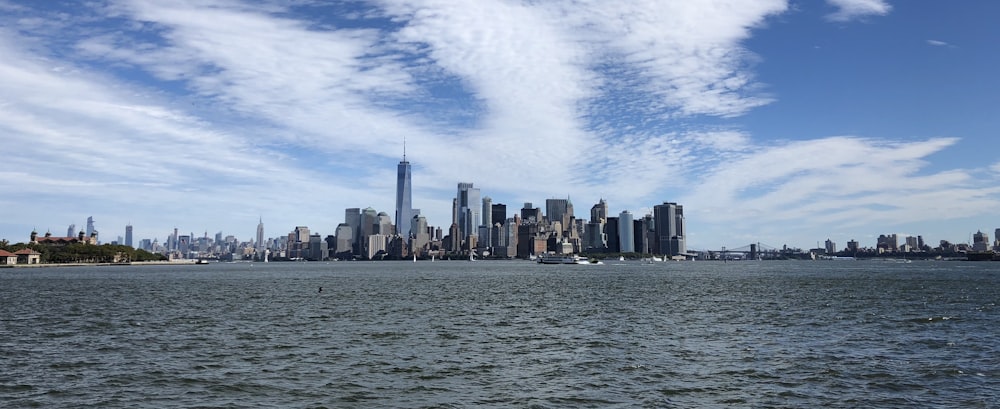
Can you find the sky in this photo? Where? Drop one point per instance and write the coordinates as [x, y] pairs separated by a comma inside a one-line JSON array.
[[770, 121]]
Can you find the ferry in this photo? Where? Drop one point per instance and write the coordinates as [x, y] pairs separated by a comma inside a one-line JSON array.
[[562, 259], [982, 256]]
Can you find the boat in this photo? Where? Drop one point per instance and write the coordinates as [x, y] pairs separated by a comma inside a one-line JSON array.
[[201, 261], [621, 258], [982, 256], [562, 259]]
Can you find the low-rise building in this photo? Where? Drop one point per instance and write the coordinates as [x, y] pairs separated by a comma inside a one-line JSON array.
[[7, 258], [28, 256]]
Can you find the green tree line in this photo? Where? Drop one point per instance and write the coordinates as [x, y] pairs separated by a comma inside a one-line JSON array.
[[85, 253]]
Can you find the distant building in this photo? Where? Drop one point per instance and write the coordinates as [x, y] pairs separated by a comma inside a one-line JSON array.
[[611, 230], [980, 241], [530, 214], [404, 197], [498, 214], [49, 239], [128, 235], [345, 239], [640, 235], [888, 242], [486, 227], [852, 246], [669, 227], [559, 211], [352, 217], [468, 207], [385, 225], [830, 246], [260, 245], [91, 230], [377, 244], [421, 235], [599, 212], [626, 232]]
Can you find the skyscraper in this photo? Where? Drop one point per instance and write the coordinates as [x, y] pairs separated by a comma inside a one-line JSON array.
[[561, 211], [90, 226], [599, 212], [260, 235], [626, 232], [352, 217], [499, 214], [468, 204], [669, 226], [128, 235], [404, 199], [611, 231], [71, 231], [487, 225]]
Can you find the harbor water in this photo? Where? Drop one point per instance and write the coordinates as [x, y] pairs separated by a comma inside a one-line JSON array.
[[503, 334]]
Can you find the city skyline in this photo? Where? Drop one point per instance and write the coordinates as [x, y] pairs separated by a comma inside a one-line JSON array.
[[781, 122]]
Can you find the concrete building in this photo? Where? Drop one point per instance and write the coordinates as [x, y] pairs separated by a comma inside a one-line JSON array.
[[345, 239], [530, 214], [420, 234], [830, 247], [377, 244], [980, 241], [599, 212], [559, 211]]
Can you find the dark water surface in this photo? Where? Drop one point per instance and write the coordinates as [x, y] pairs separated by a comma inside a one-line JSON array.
[[503, 334]]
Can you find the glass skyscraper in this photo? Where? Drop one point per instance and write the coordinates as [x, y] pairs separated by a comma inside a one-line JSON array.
[[468, 206], [404, 198], [669, 226]]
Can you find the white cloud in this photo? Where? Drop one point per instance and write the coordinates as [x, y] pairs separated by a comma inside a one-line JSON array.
[[113, 152], [848, 10], [209, 113], [938, 43], [837, 181]]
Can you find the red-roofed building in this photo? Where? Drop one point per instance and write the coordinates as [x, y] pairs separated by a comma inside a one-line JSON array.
[[51, 240], [28, 256], [7, 257]]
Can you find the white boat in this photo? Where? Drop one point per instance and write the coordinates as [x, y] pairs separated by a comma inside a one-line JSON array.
[[562, 259]]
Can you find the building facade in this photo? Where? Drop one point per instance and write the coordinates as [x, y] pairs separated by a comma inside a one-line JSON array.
[[669, 229], [404, 198]]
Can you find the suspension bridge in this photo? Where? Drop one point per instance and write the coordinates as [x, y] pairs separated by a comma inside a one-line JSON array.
[[752, 251]]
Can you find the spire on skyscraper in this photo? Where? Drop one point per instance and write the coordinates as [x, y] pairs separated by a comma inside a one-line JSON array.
[[404, 196]]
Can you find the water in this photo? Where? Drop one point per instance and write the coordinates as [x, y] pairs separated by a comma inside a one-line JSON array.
[[503, 334]]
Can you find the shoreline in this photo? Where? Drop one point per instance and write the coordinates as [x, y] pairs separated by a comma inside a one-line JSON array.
[[134, 263]]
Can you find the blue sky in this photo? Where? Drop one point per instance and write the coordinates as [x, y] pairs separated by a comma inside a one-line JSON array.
[[781, 122]]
